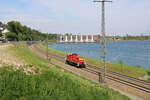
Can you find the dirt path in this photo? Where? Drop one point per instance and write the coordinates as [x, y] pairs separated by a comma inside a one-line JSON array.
[[8, 57], [114, 85]]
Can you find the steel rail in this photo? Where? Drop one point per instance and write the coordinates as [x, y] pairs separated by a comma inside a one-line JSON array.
[[96, 71], [123, 81], [121, 75], [134, 85]]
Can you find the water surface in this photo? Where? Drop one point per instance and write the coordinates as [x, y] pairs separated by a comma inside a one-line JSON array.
[[135, 53]]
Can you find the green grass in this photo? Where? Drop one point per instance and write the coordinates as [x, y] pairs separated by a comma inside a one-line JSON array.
[[133, 71], [24, 53], [148, 73], [53, 83], [148, 79]]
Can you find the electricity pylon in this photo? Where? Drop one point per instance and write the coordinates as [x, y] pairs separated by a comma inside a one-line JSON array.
[[103, 36]]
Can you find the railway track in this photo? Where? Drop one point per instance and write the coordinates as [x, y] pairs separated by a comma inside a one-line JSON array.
[[121, 76], [123, 79]]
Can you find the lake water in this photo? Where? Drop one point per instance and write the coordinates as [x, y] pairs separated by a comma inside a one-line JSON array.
[[129, 52]]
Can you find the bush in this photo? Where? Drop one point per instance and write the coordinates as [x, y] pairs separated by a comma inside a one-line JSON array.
[[138, 66], [5, 41], [148, 79], [120, 62], [148, 72], [0, 33]]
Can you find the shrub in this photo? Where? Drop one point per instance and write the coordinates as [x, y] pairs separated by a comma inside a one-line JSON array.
[[121, 62], [148, 72], [138, 66]]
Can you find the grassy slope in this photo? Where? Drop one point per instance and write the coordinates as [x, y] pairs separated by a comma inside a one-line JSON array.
[[149, 79], [132, 71], [52, 84]]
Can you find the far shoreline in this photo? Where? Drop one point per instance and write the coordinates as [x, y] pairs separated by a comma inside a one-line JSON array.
[[100, 41]]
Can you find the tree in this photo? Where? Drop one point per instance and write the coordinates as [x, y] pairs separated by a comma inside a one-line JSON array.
[[1, 23], [0, 33], [19, 32], [11, 36], [19, 36], [148, 72], [14, 26], [0, 30]]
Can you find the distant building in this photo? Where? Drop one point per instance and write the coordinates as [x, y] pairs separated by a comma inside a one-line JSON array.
[[4, 30], [1, 28], [78, 38]]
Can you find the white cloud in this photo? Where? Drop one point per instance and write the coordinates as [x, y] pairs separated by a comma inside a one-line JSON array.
[[80, 16]]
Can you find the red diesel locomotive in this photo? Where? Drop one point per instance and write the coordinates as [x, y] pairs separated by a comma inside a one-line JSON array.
[[74, 59]]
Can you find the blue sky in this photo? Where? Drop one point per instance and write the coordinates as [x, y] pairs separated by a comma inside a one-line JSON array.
[[79, 16]]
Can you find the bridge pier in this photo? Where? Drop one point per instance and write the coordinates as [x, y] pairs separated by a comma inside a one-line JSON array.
[[87, 39], [61, 38], [92, 38], [71, 38], [81, 38], [77, 38], [66, 39]]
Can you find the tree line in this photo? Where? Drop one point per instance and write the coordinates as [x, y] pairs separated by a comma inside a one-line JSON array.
[[0, 29], [19, 32], [142, 37]]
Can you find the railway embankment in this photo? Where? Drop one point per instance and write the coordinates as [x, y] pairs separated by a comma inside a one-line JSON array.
[[48, 82], [132, 71], [117, 81]]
